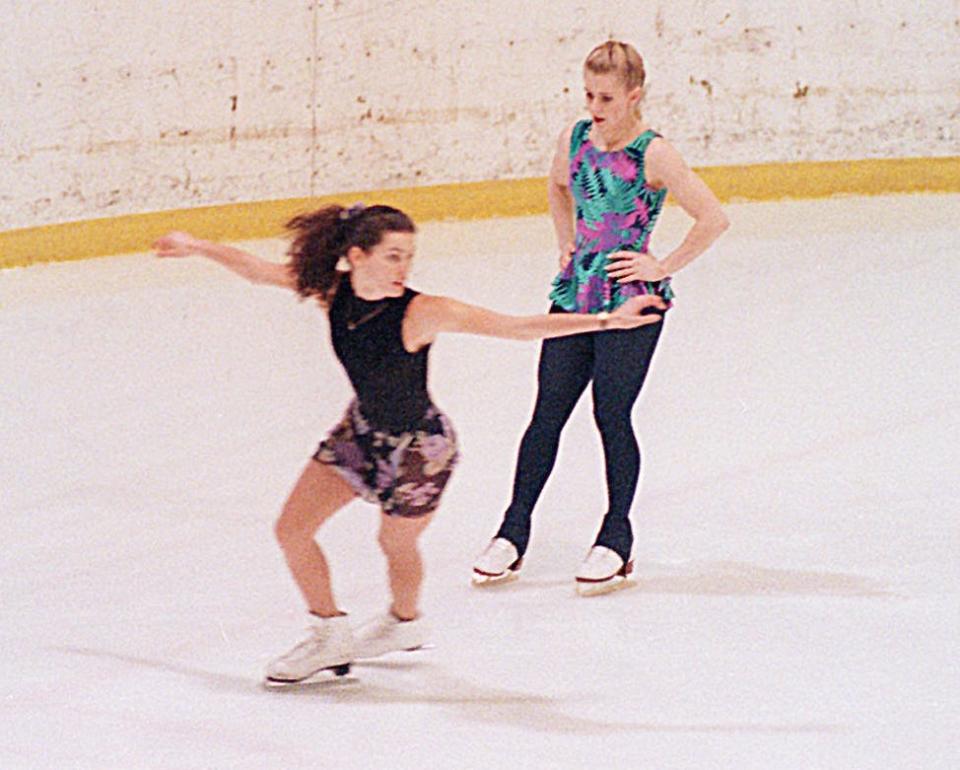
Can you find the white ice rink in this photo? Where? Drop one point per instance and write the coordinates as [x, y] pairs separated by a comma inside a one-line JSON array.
[[798, 545]]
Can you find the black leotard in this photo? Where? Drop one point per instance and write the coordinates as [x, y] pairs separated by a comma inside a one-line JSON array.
[[391, 383]]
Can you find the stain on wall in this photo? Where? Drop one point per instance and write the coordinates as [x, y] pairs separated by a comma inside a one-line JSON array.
[[122, 108]]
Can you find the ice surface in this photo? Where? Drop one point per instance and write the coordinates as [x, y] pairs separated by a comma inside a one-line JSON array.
[[798, 541]]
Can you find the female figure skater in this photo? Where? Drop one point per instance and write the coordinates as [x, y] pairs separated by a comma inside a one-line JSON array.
[[393, 447], [607, 184]]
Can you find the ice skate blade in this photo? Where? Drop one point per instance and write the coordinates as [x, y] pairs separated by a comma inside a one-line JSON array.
[[598, 588], [331, 674], [363, 658], [482, 580], [419, 648]]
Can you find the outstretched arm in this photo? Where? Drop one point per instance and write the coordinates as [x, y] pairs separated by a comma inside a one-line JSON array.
[[429, 316], [244, 264]]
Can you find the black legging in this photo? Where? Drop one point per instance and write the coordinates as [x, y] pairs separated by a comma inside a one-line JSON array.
[[617, 362]]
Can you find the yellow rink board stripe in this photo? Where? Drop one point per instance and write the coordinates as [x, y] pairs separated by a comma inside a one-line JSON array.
[[475, 200]]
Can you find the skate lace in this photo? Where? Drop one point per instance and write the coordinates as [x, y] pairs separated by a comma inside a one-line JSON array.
[[306, 646], [381, 629], [495, 553], [601, 557]]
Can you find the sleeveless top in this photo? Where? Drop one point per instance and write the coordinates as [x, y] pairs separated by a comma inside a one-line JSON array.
[[616, 210], [391, 383]]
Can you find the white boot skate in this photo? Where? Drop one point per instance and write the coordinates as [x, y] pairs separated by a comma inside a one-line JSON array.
[[387, 633], [499, 563], [329, 646], [602, 571]]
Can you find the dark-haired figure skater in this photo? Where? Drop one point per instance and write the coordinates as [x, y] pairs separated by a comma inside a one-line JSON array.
[[393, 447], [608, 181]]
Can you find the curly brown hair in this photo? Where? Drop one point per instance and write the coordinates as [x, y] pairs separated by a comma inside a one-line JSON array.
[[322, 237]]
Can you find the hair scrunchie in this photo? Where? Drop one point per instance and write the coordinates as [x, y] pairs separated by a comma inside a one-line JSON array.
[[352, 212]]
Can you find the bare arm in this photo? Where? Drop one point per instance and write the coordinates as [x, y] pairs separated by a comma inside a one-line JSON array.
[[666, 168], [560, 199], [428, 316], [244, 264]]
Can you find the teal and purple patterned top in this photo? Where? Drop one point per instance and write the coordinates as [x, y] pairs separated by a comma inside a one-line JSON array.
[[616, 211]]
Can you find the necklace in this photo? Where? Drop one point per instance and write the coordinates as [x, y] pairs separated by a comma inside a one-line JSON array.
[[351, 325]]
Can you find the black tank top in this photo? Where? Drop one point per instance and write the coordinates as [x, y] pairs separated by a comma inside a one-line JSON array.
[[391, 384]]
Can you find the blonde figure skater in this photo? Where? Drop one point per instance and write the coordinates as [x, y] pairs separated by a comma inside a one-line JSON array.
[[393, 447], [607, 184]]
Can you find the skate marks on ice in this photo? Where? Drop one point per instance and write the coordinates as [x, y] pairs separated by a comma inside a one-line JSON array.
[[731, 578], [224, 683], [428, 684], [237, 684], [425, 683], [717, 578]]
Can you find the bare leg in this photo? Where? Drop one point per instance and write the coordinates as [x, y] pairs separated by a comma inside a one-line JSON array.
[[318, 494], [398, 540]]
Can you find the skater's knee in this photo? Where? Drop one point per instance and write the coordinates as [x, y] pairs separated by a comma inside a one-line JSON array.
[[391, 543], [542, 438], [291, 533], [612, 418], [548, 421], [283, 532], [397, 545]]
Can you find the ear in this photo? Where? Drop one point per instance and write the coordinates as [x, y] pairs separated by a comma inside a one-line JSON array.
[[355, 254], [635, 95]]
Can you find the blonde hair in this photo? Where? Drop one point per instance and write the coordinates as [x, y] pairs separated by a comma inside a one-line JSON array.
[[620, 58]]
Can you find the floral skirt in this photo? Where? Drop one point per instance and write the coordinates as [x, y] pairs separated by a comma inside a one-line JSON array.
[[405, 473]]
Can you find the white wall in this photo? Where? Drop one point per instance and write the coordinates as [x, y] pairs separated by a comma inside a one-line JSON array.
[[115, 107]]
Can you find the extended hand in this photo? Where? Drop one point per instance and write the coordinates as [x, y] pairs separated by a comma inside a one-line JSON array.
[[626, 266], [630, 314], [175, 244]]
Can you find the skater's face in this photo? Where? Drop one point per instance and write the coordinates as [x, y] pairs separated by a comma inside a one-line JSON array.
[[382, 270], [612, 106]]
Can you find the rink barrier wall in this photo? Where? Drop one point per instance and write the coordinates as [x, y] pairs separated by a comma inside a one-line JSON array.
[[478, 200]]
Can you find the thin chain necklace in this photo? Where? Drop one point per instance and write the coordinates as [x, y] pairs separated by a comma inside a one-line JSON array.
[[351, 325]]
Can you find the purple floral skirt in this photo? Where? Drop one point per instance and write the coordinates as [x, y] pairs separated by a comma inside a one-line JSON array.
[[404, 473]]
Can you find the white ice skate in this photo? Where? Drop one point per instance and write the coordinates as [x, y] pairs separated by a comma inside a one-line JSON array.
[[602, 571], [499, 563], [387, 633], [328, 647]]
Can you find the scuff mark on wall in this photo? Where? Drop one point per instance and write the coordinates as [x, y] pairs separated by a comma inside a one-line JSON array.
[[334, 96], [705, 84]]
